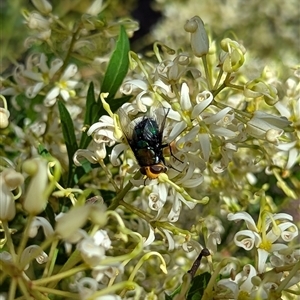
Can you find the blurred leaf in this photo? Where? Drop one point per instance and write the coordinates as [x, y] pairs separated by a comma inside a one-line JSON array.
[[69, 136], [198, 286], [118, 66]]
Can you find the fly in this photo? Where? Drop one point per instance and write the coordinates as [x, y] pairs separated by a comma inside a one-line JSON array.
[[145, 137]]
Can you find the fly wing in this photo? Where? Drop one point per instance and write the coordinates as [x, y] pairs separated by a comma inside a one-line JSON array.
[[160, 114], [127, 125]]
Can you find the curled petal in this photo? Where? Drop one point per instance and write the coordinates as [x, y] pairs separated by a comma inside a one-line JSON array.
[[249, 271], [203, 101], [218, 116], [247, 243], [37, 223], [243, 216], [288, 235], [116, 151], [170, 239], [87, 287], [33, 252], [151, 237], [175, 211], [84, 153]]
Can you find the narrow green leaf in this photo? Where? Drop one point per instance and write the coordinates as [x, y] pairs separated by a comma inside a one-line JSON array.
[[69, 135], [118, 66], [198, 286]]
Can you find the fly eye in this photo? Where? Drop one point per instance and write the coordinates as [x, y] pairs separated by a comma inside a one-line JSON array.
[[153, 171], [157, 169]]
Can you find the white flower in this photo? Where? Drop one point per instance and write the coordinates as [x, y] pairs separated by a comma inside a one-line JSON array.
[[39, 73], [242, 284], [261, 123], [65, 87], [93, 249], [264, 237], [36, 21]]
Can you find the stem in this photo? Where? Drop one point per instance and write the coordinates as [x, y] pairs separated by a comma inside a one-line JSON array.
[[47, 290], [218, 79], [9, 242], [23, 288], [12, 289], [51, 261], [208, 78], [25, 236], [74, 38], [60, 276], [135, 210], [129, 285], [116, 201], [287, 279], [108, 174]]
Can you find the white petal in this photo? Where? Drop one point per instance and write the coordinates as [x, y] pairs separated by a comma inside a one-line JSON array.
[[243, 216], [116, 151], [253, 239], [69, 72], [84, 153], [151, 237], [177, 129], [262, 258], [185, 101], [35, 225], [288, 235], [56, 64], [87, 287], [247, 285], [203, 100], [218, 116], [65, 94], [293, 157], [205, 145], [170, 239]]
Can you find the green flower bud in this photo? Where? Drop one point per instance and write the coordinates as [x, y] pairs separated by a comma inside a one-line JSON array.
[[234, 57]]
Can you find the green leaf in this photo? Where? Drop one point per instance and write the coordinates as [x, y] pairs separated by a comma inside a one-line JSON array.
[[91, 111], [117, 67], [69, 136], [198, 286]]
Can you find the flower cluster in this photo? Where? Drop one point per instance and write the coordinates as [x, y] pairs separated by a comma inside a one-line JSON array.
[[106, 154]]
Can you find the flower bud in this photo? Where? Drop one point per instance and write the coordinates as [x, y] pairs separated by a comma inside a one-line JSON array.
[[234, 57], [43, 6], [68, 224], [4, 115], [36, 198], [199, 38], [9, 180], [257, 88], [7, 203]]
